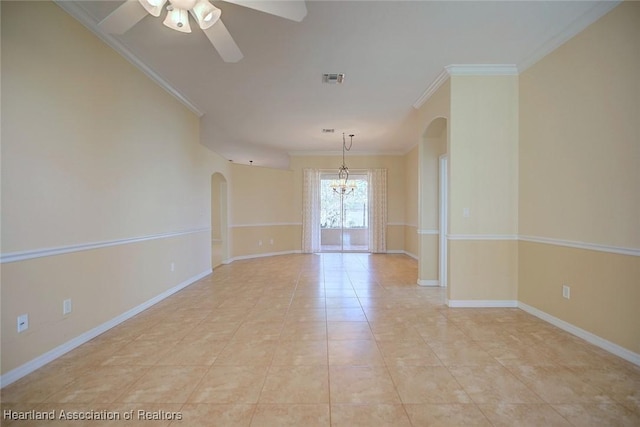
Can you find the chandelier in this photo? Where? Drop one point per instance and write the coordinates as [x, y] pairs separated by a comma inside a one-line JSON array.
[[342, 185]]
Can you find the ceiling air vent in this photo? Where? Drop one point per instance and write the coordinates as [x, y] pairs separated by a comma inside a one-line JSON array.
[[328, 130], [333, 78]]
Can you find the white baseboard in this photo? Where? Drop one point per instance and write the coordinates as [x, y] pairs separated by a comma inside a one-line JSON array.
[[585, 335], [268, 254], [414, 256], [428, 282], [400, 251], [478, 303], [51, 355]]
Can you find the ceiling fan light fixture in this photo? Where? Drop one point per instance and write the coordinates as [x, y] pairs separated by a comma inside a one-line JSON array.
[[205, 14], [178, 19], [154, 7]]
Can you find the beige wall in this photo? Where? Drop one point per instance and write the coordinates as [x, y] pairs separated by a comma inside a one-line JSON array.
[[92, 151], [261, 195], [261, 211], [580, 178], [483, 155], [483, 177]]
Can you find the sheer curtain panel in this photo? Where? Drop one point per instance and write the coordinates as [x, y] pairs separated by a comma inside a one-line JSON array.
[[311, 211], [377, 210]]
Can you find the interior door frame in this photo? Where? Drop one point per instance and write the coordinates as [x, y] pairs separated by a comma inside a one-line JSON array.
[[354, 174], [443, 220]]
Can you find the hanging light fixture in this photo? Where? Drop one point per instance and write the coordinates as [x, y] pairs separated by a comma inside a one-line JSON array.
[[178, 12], [342, 185], [177, 19]]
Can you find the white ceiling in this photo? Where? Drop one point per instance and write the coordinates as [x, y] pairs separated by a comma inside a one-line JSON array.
[[273, 101]]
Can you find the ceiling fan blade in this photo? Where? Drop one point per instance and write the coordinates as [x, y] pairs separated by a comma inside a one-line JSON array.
[[123, 18], [294, 10], [223, 42]]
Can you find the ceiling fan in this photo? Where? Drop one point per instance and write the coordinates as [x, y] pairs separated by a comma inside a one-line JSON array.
[[205, 14]]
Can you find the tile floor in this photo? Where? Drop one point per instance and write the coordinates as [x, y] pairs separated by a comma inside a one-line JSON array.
[[330, 340]]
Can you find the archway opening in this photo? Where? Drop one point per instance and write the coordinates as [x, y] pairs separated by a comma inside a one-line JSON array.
[[433, 216]]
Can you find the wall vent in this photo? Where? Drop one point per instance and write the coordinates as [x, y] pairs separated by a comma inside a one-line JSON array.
[[333, 78], [328, 130]]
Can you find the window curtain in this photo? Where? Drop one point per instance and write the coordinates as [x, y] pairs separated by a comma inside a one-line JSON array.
[[377, 210], [311, 211]]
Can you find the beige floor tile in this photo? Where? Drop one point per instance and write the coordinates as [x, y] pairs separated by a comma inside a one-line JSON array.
[[296, 384], [349, 331], [41, 384], [241, 353], [599, 414], [393, 330], [441, 332], [220, 415], [355, 353], [225, 315], [339, 292], [361, 384], [306, 315], [275, 415], [291, 353], [276, 340], [100, 384], [139, 353], [525, 415], [304, 331], [369, 415], [345, 315], [446, 415], [557, 385], [302, 302], [211, 330], [427, 384], [230, 384], [196, 352], [93, 353], [619, 382], [252, 331], [493, 384], [408, 353], [164, 384], [337, 302], [461, 353]]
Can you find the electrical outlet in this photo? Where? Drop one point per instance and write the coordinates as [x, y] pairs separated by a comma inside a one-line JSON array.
[[23, 322], [566, 291], [66, 306], [173, 266], [271, 241], [259, 242], [466, 213]]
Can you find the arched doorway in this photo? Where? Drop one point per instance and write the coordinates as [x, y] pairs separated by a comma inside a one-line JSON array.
[[219, 239], [433, 197]]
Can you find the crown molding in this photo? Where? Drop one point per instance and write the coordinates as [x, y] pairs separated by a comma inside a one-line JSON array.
[[433, 87], [77, 12], [599, 9], [464, 70], [482, 69]]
